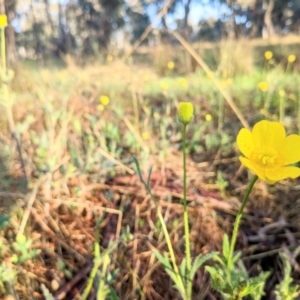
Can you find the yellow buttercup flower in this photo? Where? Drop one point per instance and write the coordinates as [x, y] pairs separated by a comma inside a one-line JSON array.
[[291, 58], [268, 55], [164, 85], [171, 65], [268, 151], [3, 20], [145, 136], [101, 107], [182, 82], [208, 117], [263, 86], [156, 115], [185, 112], [281, 93], [104, 100], [109, 57]]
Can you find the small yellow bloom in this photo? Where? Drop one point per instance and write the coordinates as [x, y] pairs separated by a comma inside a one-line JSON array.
[[146, 77], [210, 75], [164, 86], [100, 107], [291, 58], [263, 86], [182, 82], [3, 20], [171, 65], [268, 55], [185, 112], [229, 81], [208, 117], [104, 100], [268, 151], [281, 93], [145, 136], [156, 115], [109, 57]]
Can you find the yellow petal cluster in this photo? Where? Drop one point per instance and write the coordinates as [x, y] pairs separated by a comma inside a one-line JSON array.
[[268, 152], [3, 20], [291, 58], [171, 65], [263, 86], [268, 55], [104, 100], [185, 112]]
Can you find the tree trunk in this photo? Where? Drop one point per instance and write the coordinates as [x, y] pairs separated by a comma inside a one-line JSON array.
[[268, 19]]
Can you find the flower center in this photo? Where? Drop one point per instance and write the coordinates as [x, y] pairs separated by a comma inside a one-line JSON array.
[[266, 157]]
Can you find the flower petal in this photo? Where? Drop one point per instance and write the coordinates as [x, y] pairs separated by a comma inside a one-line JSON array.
[[253, 167], [245, 142], [268, 134], [291, 149], [282, 173]]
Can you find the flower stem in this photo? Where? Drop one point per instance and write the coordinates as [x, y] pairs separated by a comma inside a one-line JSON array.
[[168, 241], [3, 51], [237, 222], [186, 220]]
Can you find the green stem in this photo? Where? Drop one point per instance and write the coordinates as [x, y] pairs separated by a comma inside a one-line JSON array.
[[168, 241], [3, 51], [186, 220], [237, 222]]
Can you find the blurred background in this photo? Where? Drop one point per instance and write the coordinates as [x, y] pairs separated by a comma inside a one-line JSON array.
[[40, 29]]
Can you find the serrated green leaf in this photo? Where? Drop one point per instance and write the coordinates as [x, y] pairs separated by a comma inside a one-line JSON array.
[[164, 260], [199, 261], [236, 257]]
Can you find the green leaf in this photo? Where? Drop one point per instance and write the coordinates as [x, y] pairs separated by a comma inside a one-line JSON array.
[[182, 268], [149, 175], [4, 221], [225, 246], [199, 261], [138, 169]]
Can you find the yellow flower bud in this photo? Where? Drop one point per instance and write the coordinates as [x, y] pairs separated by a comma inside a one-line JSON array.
[[171, 65], [291, 58], [3, 20], [263, 86], [104, 100], [185, 112]]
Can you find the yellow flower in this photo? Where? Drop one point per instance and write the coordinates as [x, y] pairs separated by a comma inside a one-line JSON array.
[[104, 100], [164, 85], [268, 55], [208, 117], [182, 82], [145, 136], [281, 93], [109, 57], [100, 107], [229, 81], [268, 151], [171, 65], [156, 115], [185, 112], [291, 58], [210, 75], [146, 77], [3, 20], [263, 86]]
